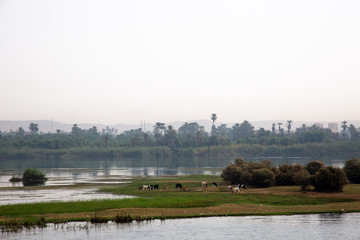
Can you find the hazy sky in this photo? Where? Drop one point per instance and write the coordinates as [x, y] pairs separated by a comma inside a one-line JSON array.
[[126, 61]]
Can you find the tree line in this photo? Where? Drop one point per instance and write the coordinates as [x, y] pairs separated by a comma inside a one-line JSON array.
[[314, 173], [241, 138]]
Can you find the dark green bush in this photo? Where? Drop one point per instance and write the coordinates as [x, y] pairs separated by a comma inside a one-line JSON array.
[[329, 179], [314, 166], [286, 172], [263, 177], [352, 170], [33, 175], [235, 175], [243, 172]]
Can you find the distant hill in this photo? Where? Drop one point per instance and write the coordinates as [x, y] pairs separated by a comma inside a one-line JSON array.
[[46, 126]]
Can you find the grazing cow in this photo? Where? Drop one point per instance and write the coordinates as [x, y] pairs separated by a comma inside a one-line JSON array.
[[230, 187], [234, 190], [178, 185], [204, 184], [156, 186], [140, 188], [241, 186], [214, 184], [145, 187]]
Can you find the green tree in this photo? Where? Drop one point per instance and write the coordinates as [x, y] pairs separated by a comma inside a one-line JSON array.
[[213, 118], [33, 175], [314, 166], [20, 132], [76, 130], [244, 130], [34, 128], [280, 129], [352, 170], [353, 132], [289, 126], [170, 136], [344, 127], [159, 129], [273, 129], [329, 179]]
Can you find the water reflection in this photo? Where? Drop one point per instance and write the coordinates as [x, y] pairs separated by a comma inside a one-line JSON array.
[[85, 170]]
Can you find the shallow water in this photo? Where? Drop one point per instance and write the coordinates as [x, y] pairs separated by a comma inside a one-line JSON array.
[[50, 195], [312, 226]]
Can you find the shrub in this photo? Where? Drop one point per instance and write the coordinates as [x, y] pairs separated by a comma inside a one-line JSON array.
[[314, 166], [33, 175], [352, 170], [235, 174], [330, 179], [302, 178], [263, 177], [243, 172], [286, 172]]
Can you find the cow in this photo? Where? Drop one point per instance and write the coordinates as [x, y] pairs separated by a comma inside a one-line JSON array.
[[145, 187], [204, 184], [156, 186], [215, 184], [178, 185], [234, 190], [241, 186]]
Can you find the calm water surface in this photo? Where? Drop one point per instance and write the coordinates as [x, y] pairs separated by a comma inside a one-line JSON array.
[[67, 172], [314, 226]]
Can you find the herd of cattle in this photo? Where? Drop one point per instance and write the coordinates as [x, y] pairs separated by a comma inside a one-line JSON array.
[[203, 184]]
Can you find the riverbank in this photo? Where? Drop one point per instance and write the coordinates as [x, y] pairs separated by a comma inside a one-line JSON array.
[[349, 149], [193, 200]]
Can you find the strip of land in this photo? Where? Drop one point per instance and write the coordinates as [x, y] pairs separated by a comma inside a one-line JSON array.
[[193, 200]]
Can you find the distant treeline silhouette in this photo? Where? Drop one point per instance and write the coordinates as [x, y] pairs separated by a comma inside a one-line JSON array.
[[189, 140]]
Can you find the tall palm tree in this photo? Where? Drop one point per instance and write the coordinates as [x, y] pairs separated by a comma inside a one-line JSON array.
[[344, 127], [289, 126], [279, 123], [273, 128], [34, 128], [213, 118]]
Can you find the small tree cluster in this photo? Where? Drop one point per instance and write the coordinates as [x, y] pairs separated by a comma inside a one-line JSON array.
[[352, 170], [263, 174], [33, 175], [329, 179], [257, 174]]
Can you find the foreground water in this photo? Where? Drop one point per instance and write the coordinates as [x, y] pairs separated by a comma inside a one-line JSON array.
[[313, 226]]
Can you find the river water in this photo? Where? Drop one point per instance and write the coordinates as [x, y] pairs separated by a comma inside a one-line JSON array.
[[312, 226]]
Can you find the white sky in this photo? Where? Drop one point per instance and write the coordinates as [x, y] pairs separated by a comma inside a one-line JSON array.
[[125, 61]]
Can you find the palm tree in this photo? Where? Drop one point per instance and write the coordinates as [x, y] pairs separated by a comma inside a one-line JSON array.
[[289, 126], [33, 127], [273, 128], [279, 123], [344, 127], [213, 118]]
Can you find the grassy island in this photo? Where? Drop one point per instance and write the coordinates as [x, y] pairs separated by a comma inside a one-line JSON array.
[[192, 200]]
